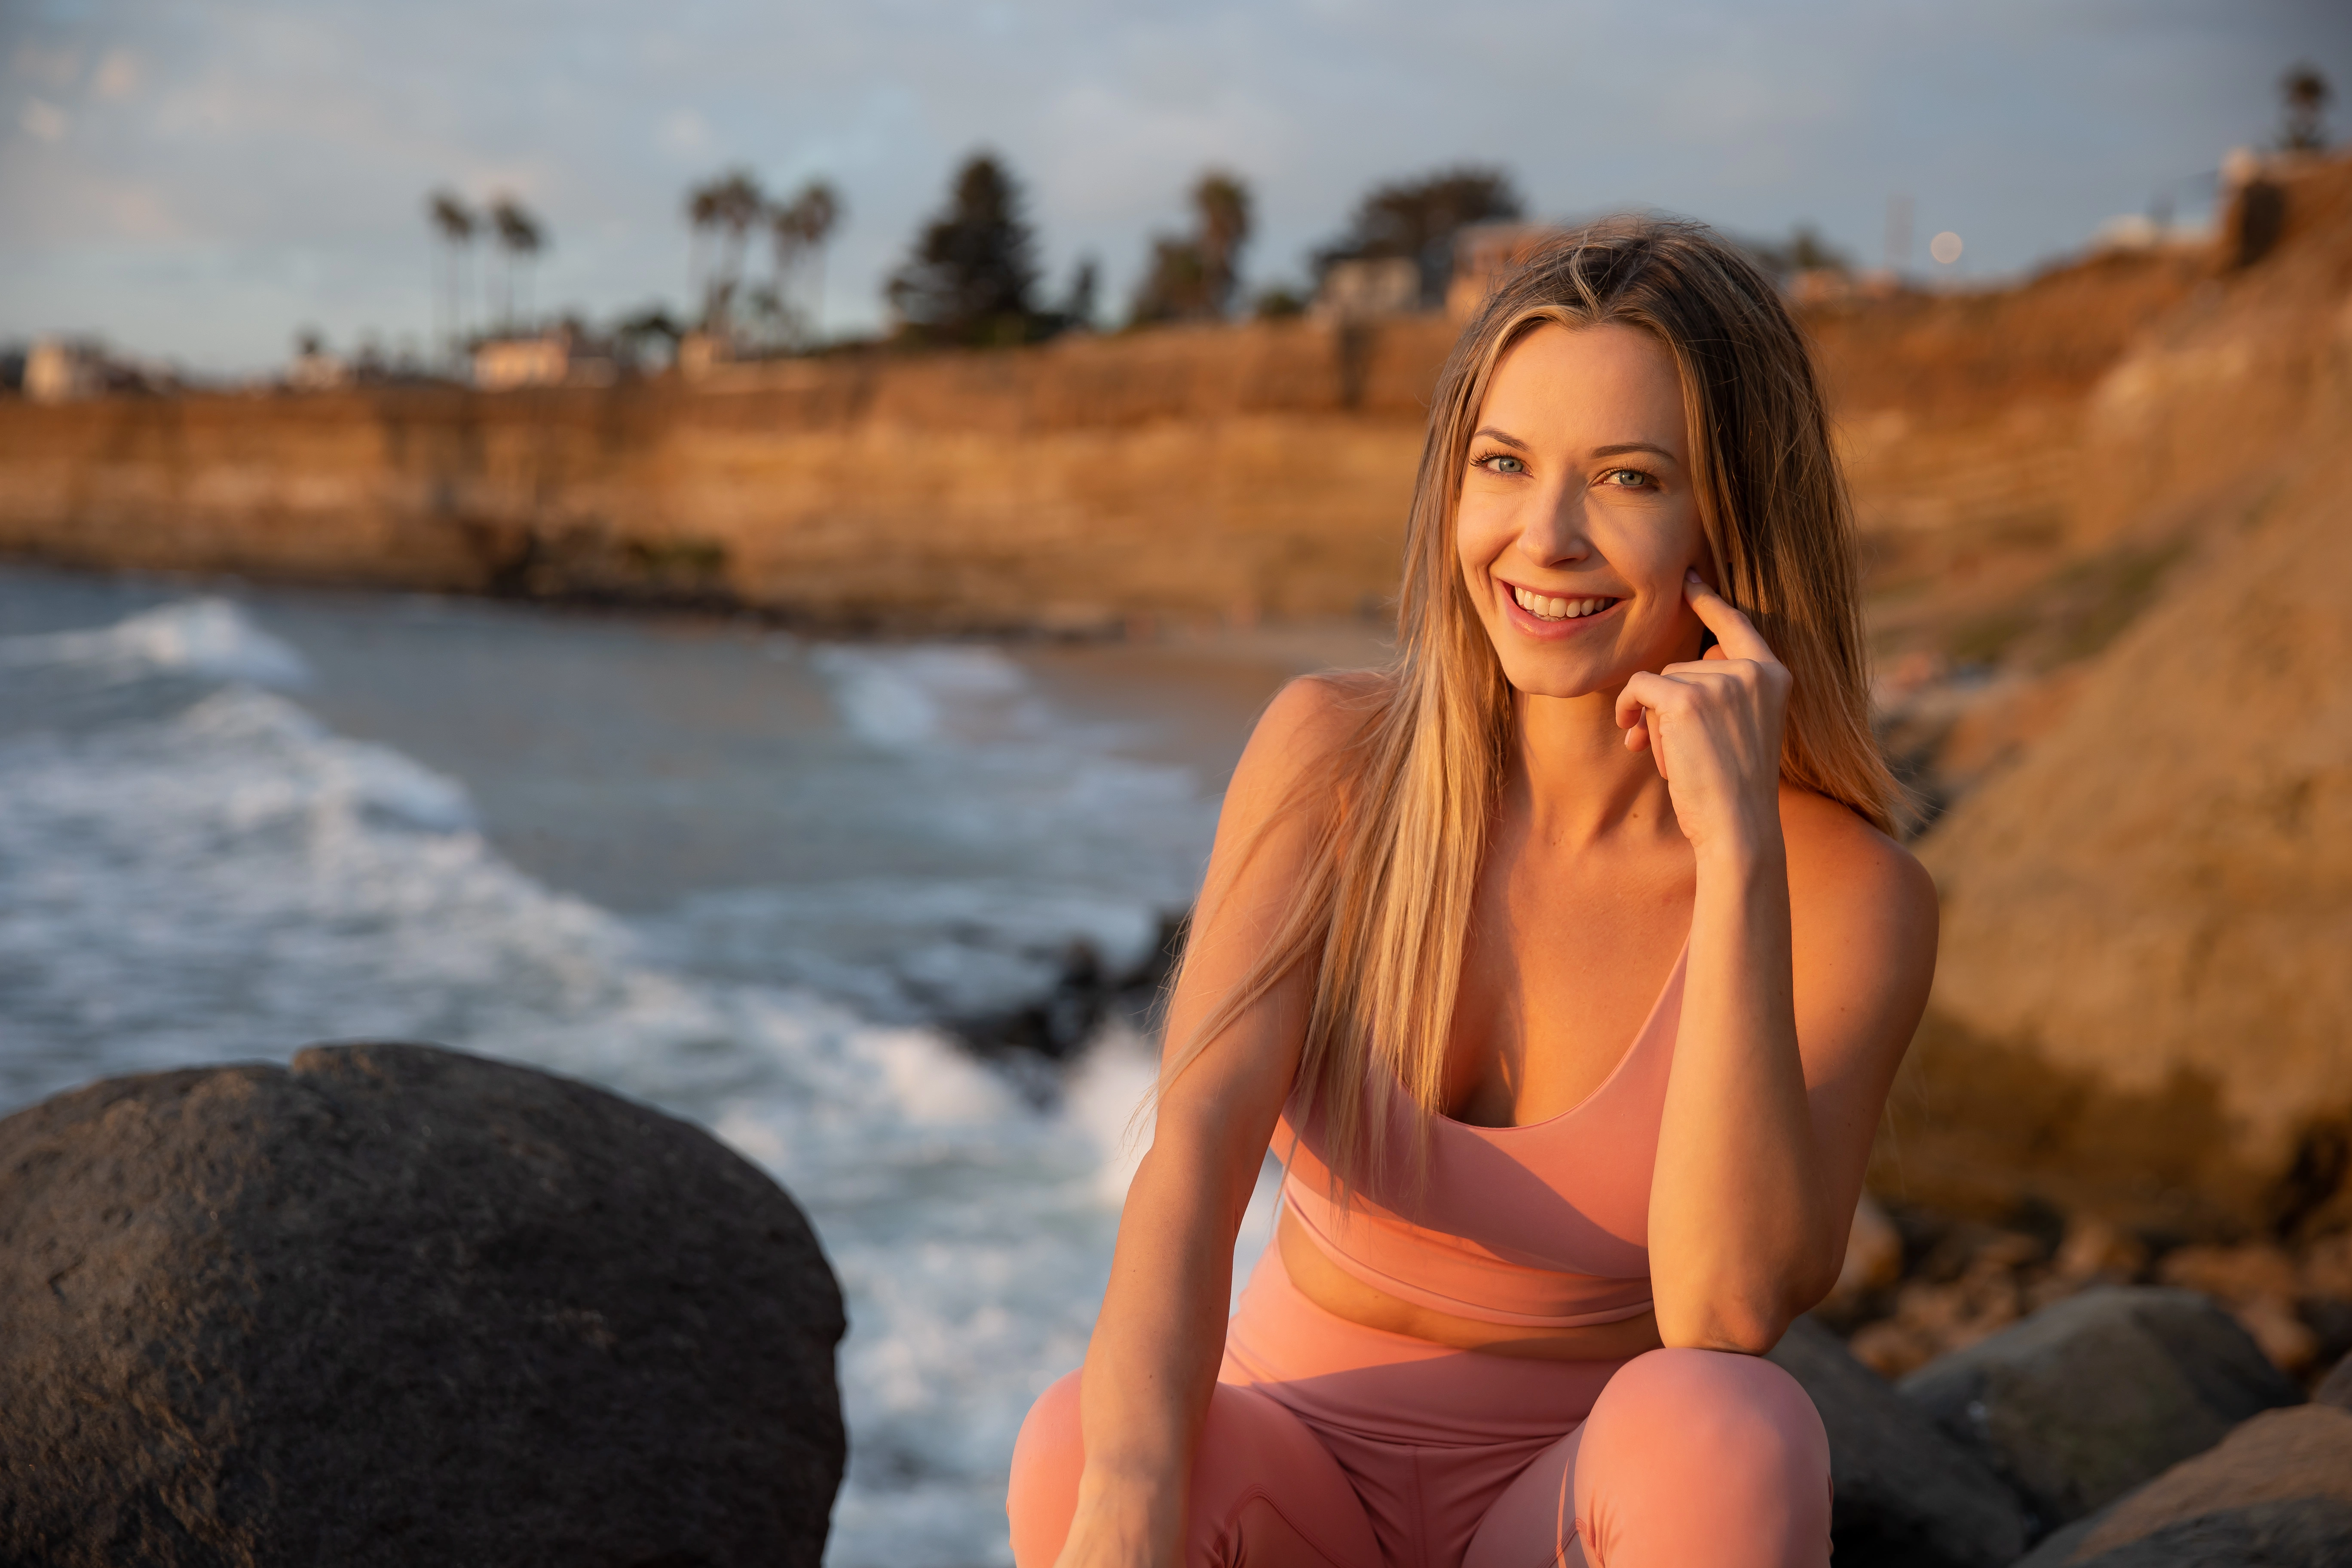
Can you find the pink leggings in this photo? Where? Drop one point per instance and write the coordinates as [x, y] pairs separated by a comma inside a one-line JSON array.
[[1380, 1449]]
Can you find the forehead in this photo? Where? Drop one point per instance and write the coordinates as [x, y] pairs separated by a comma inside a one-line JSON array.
[[1588, 386]]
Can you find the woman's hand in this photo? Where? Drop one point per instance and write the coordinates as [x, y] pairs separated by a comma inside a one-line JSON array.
[[1714, 727], [1110, 1530]]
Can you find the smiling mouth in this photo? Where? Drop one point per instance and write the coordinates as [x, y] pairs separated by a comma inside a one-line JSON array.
[[1544, 608]]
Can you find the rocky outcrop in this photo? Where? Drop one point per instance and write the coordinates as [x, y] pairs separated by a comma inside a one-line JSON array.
[[400, 1305], [2087, 1399], [2154, 893], [2277, 1490], [1907, 1496]]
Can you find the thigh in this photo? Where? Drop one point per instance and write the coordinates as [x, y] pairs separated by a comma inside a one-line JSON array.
[[1264, 1491], [1533, 1523]]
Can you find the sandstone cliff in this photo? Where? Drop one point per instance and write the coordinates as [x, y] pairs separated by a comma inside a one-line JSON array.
[[2155, 889], [1199, 474]]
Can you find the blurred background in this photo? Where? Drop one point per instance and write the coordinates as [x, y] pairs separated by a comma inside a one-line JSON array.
[[729, 551]]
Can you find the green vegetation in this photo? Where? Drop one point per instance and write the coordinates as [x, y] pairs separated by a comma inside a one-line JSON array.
[[1193, 277], [972, 277]]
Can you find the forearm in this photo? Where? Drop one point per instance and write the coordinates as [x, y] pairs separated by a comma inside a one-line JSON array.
[[1736, 1234], [1152, 1361]]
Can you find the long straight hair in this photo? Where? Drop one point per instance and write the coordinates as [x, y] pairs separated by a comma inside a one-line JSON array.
[[1384, 906]]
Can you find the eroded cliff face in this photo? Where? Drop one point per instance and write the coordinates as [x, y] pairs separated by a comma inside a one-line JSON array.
[[1081, 485], [2149, 887]]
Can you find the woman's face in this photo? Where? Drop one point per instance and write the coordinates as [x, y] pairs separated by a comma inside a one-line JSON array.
[[1578, 519]]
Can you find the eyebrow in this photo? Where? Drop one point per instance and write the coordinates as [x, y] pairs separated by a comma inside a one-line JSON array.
[[1505, 438], [1619, 451]]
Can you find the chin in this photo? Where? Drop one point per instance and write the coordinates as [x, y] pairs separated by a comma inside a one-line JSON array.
[[1546, 677]]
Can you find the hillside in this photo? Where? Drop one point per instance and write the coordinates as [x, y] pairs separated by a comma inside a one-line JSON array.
[[2142, 716]]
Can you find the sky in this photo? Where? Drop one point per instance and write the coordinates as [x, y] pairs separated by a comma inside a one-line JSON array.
[[197, 180]]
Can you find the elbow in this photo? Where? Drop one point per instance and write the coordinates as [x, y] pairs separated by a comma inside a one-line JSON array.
[[1741, 1321], [1734, 1329]]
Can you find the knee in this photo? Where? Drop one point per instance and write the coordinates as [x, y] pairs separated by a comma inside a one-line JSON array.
[[1048, 1458], [1704, 1457], [1738, 1420]]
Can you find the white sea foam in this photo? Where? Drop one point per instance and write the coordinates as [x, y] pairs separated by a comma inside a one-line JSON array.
[[228, 878], [209, 638]]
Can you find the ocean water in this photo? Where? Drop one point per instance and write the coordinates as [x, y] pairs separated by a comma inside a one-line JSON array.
[[733, 873]]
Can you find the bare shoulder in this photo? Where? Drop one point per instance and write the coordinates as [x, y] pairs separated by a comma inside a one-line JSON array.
[[1310, 720], [1854, 890]]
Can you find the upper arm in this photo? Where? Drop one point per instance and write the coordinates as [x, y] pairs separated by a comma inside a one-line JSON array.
[[1276, 811], [1862, 920]]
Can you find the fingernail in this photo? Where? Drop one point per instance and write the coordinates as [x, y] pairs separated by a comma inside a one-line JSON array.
[[1691, 574]]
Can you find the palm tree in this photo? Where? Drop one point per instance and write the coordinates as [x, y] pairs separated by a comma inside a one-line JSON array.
[[454, 222], [729, 206], [1194, 276], [521, 237], [1222, 203], [800, 230], [2304, 93]]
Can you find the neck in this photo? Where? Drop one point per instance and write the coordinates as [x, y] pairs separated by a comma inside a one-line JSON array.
[[1574, 778]]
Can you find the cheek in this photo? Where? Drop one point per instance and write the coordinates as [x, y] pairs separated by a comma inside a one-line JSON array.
[[1479, 536]]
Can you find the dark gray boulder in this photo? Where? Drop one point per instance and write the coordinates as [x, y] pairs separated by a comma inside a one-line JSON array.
[[2277, 1491], [1907, 1496], [2336, 1388], [402, 1305], [2087, 1398], [2307, 1533]]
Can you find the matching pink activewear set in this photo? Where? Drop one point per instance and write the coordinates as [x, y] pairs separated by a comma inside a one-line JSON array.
[[1382, 1450]]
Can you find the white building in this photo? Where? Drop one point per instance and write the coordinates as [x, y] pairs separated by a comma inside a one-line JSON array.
[[58, 370], [1367, 291]]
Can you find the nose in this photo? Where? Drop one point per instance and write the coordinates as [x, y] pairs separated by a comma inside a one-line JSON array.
[[1553, 534]]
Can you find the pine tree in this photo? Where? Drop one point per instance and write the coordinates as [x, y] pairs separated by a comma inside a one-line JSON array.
[[972, 277]]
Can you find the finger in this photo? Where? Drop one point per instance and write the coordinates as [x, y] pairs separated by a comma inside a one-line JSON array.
[[1735, 634], [1644, 689], [1715, 652]]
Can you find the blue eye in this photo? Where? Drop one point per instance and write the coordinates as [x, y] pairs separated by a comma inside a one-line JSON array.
[[1629, 478], [1501, 463]]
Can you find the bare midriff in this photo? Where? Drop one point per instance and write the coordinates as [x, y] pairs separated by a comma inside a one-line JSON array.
[[1343, 1295]]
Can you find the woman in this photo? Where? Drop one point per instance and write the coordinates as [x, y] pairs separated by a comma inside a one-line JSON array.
[[1617, 786]]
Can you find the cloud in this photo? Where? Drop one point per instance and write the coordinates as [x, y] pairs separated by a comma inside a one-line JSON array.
[[228, 168], [685, 133], [42, 122], [117, 76]]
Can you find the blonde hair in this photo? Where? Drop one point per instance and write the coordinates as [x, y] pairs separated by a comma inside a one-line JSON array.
[[1384, 903]]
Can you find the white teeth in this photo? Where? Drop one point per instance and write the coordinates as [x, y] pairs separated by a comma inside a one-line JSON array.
[[1551, 610]]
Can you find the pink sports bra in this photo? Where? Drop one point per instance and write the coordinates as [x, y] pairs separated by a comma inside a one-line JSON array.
[[1545, 1225]]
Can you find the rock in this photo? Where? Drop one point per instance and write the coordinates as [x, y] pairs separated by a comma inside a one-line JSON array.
[[401, 1305], [1931, 1317], [2284, 1478], [2306, 1534], [2258, 1283], [1907, 1496], [2086, 1399], [2096, 1252], [2126, 897], [2336, 1388]]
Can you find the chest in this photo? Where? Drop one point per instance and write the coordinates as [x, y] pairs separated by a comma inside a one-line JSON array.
[[1565, 958]]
